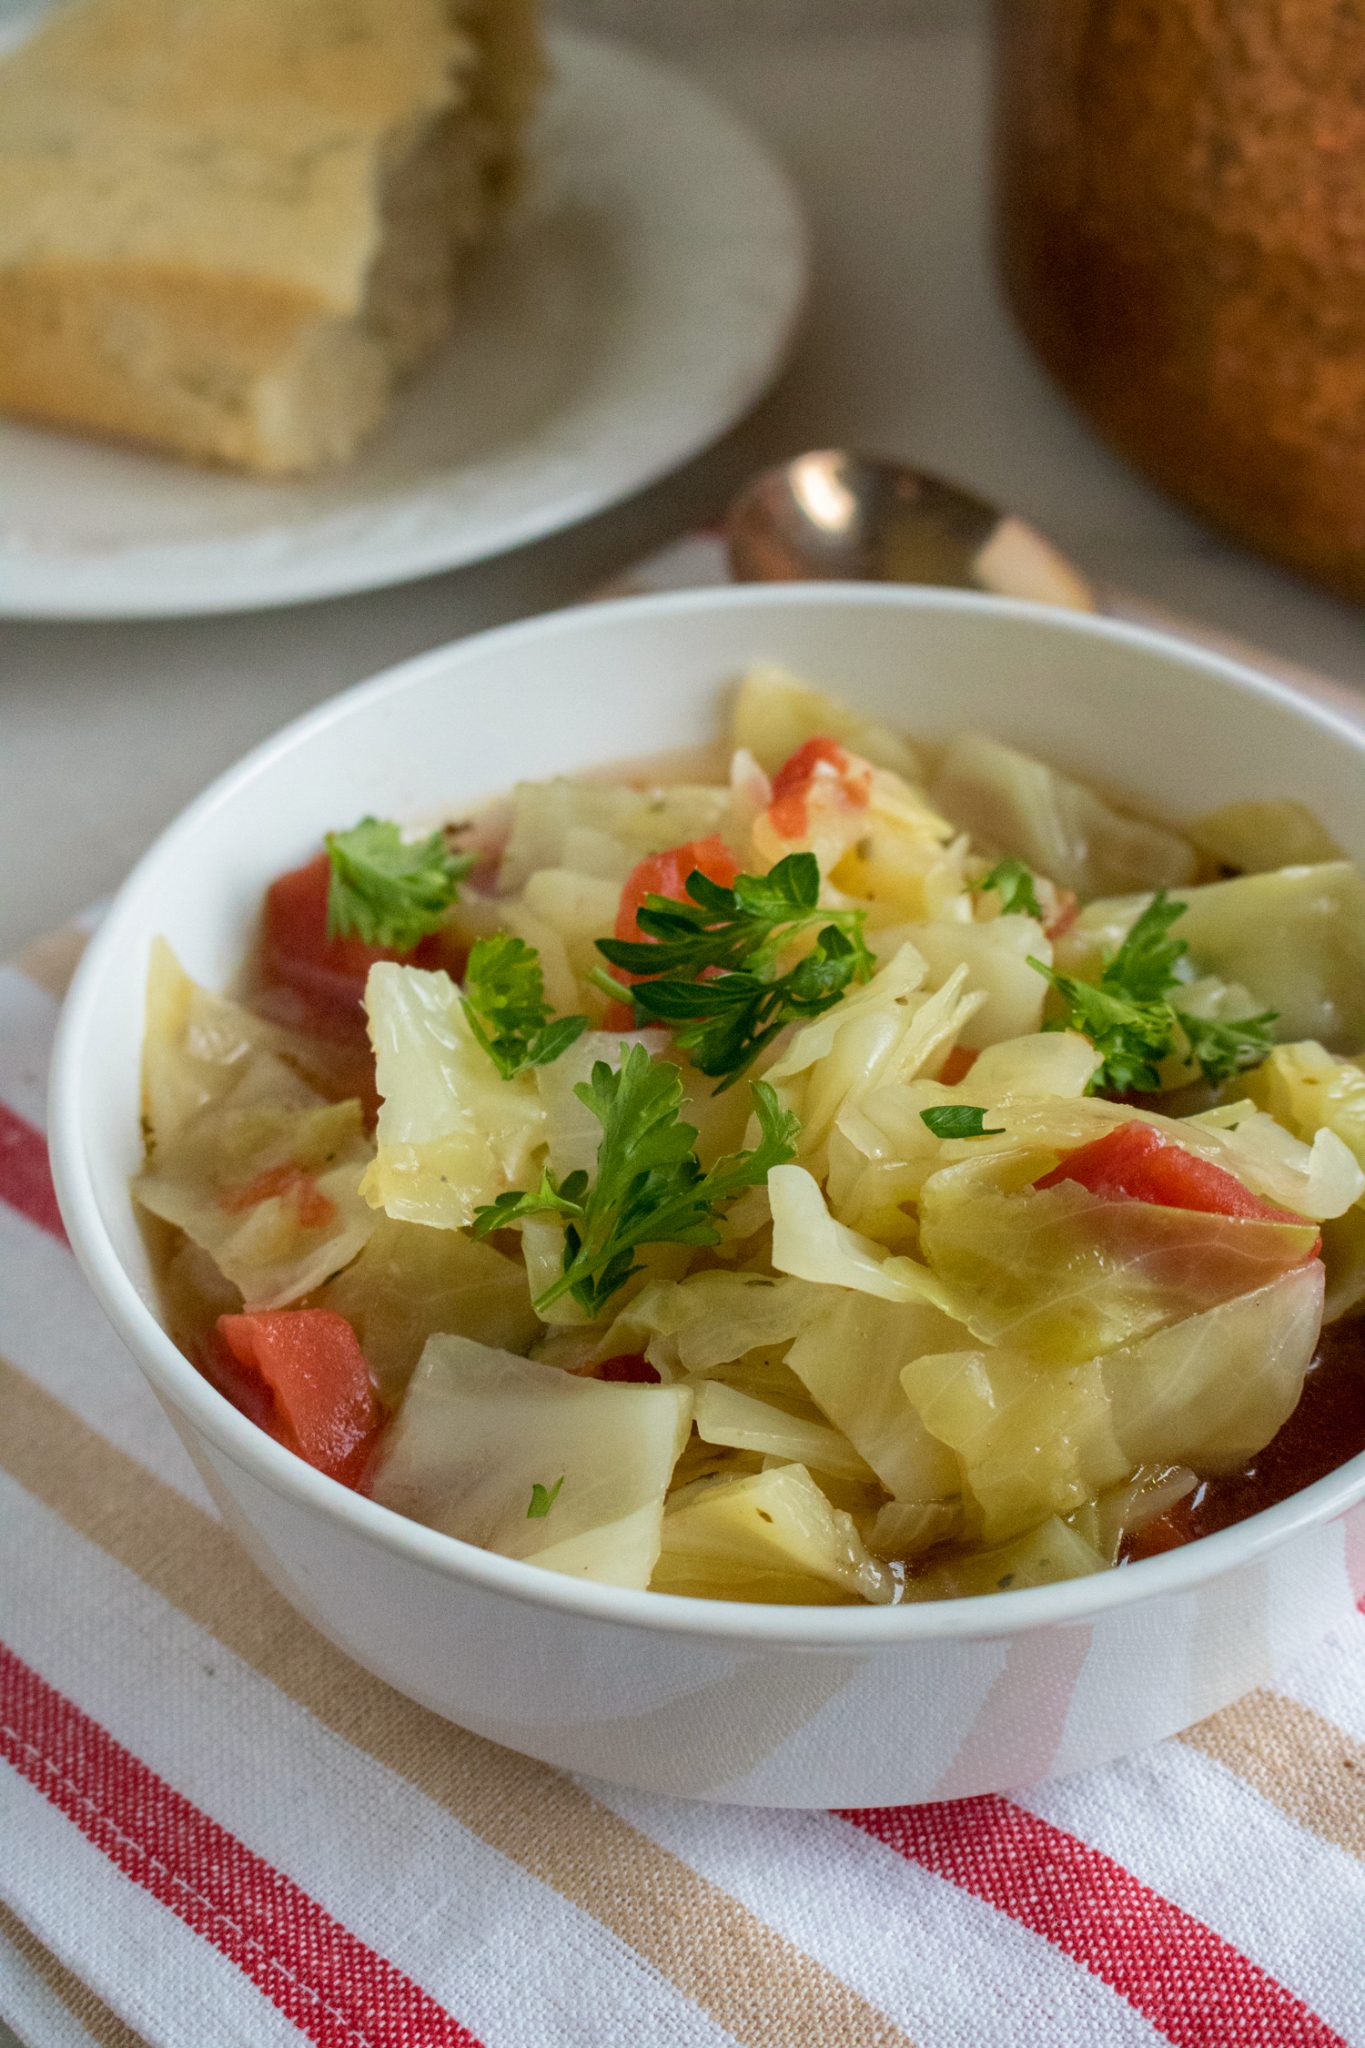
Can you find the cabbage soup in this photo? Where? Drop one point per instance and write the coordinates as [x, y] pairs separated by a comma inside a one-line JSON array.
[[856, 1172]]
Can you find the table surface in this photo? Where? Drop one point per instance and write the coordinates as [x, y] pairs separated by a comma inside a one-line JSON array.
[[106, 730]]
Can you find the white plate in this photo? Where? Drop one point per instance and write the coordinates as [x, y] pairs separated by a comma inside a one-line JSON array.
[[638, 307]]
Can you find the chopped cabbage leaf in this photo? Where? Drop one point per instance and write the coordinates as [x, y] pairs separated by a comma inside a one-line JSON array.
[[772, 1537], [452, 1133], [726, 1416], [544, 814], [1151, 1491], [907, 1528], [1212, 1390], [1011, 803], [257, 1168], [995, 953], [1032, 1440], [849, 1356], [710, 1319], [1043, 1557], [479, 1428], [1343, 1254], [1255, 836], [883, 1034], [1295, 937], [775, 713], [577, 908], [810, 1244], [1305, 1089], [1062, 1273], [200, 1049], [410, 1283]]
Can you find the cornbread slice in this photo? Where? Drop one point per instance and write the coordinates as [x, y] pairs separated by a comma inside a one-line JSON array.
[[229, 227]]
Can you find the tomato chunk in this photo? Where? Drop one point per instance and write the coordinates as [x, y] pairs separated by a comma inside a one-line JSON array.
[[663, 874], [628, 1369], [1141, 1162], [301, 1374], [850, 779], [957, 1066], [328, 974]]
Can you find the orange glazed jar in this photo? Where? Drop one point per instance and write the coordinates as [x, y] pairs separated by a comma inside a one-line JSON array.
[[1180, 203]]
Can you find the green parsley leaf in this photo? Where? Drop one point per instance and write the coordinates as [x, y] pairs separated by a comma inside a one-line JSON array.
[[543, 1499], [1013, 883], [959, 1120], [387, 890], [650, 1186], [504, 1003], [1226, 1047], [1124, 1014], [1144, 966], [710, 964]]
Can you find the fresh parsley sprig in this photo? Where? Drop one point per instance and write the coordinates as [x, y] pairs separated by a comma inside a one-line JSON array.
[[1222, 1047], [709, 963], [650, 1187], [959, 1120], [1131, 1024], [387, 890], [1012, 882], [504, 1003]]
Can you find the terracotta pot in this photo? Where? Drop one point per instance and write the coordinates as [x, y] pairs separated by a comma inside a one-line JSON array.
[[1180, 192]]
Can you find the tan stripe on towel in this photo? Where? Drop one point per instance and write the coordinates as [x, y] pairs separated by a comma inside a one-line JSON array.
[[52, 959], [751, 1979], [1296, 1758], [102, 2025]]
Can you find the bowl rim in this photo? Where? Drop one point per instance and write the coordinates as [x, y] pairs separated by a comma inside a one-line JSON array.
[[209, 1414]]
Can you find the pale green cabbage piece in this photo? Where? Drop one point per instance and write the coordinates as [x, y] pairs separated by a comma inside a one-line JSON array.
[[995, 952], [1211, 1391], [642, 821], [1308, 1091], [849, 1356], [1061, 1273], [410, 1283], [223, 1110], [1295, 937], [775, 713], [724, 1415], [812, 1245], [479, 1428], [712, 1318], [772, 1536], [1042, 1557], [1263, 833], [452, 1133], [1012, 803], [1032, 1440]]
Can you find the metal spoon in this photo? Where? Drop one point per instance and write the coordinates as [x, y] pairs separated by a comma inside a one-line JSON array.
[[836, 516]]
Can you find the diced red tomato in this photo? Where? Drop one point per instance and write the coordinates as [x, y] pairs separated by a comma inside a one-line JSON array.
[[292, 1183], [1065, 915], [1141, 1162], [957, 1066], [1166, 1532], [628, 1368], [328, 974], [788, 813], [301, 1374], [663, 874]]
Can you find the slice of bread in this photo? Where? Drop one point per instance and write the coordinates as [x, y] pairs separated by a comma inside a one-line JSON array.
[[229, 227]]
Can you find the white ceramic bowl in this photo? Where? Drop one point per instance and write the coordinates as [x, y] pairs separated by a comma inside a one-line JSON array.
[[774, 1705]]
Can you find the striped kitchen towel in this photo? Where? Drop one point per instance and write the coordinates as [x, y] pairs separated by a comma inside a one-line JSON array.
[[216, 1832]]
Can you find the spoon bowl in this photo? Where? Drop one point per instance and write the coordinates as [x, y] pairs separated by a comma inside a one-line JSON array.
[[833, 516]]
